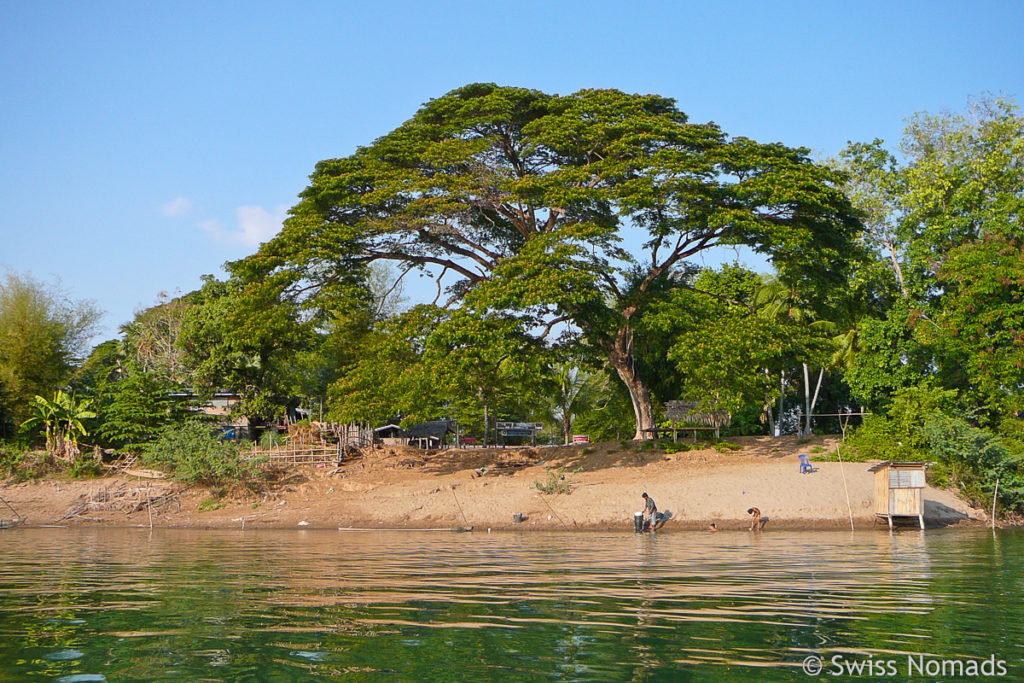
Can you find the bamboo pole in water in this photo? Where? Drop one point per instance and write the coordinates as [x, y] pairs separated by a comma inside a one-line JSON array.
[[994, 496], [849, 507]]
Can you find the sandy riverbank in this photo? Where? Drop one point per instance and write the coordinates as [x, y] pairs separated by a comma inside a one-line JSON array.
[[406, 488]]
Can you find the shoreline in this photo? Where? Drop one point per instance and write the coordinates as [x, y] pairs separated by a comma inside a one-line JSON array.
[[402, 488]]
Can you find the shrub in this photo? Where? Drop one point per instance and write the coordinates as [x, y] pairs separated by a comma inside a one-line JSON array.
[[974, 459], [193, 454], [85, 467], [899, 435], [271, 438], [676, 447], [21, 464], [556, 482], [210, 504]]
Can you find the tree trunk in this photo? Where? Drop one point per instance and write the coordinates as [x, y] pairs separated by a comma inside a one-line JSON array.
[[810, 402], [782, 401], [620, 355]]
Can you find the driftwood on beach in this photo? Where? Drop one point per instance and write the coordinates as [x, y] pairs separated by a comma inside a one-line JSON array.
[[122, 497]]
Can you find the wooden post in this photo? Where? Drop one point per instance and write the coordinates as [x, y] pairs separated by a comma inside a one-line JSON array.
[[994, 496], [847, 490]]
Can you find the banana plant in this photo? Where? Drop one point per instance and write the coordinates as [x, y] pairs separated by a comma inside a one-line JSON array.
[[63, 420]]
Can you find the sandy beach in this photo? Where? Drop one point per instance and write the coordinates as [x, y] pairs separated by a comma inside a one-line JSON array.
[[397, 487]]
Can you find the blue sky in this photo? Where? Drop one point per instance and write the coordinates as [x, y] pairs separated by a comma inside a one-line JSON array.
[[143, 144]]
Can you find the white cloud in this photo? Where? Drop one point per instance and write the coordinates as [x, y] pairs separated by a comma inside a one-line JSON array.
[[176, 207], [213, 229], [255, 225]]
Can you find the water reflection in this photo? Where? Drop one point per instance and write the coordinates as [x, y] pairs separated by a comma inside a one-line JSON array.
[[256, 605]]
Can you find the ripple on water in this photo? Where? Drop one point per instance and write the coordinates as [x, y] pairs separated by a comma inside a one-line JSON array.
[[588, 606]]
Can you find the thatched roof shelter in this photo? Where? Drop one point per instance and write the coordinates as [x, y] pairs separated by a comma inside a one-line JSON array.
[[689, 412]]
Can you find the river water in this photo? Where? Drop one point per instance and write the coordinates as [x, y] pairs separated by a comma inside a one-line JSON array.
[[140, 605]]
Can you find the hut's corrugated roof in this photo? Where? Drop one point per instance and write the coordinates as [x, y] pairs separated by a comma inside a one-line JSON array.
[[393, 429], [434, 428], [899, 463]]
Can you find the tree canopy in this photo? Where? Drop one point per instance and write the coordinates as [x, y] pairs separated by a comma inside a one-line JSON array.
[[527, 204], [43, 335]]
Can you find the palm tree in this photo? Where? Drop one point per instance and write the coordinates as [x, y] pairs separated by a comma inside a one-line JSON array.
[[776, 301], [575, 389]]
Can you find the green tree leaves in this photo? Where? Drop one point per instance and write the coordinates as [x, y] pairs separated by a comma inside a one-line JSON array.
[[516, 201], [43, 334]]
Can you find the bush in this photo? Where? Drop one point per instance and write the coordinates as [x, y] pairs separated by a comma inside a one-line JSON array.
[[193, 454], [973, 459], [556, 483], [926, 424], [85, 466], [271, 438], [21, 464], [899, 435]]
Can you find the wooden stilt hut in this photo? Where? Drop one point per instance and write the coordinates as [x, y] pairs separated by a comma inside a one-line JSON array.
[[899, 490]]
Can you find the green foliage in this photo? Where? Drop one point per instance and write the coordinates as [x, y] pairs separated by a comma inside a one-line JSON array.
[[43, 334], [890, 357], [85, 467], [609, 412], [677, 447], [898, 435], [243, 334], [515, 201], [974, 459], [556, 483], [209, 504], [193, 454], [726, 446], [63, 421], [947, 222], [429, 363], [271, 438], [132, 409], [152, 342], [20, 464]]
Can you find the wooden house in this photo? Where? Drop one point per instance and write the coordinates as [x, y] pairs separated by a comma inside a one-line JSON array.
[[899, 490]]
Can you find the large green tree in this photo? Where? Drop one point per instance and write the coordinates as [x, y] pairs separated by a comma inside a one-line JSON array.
[[243, 336], [43, 336], [948, 220], [521, 202]]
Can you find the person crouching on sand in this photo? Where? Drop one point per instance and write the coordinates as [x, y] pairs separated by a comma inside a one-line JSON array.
[[755, 523], [652, 519]]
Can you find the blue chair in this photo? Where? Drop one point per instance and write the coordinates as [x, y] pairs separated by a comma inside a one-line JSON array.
[[805, 464]]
